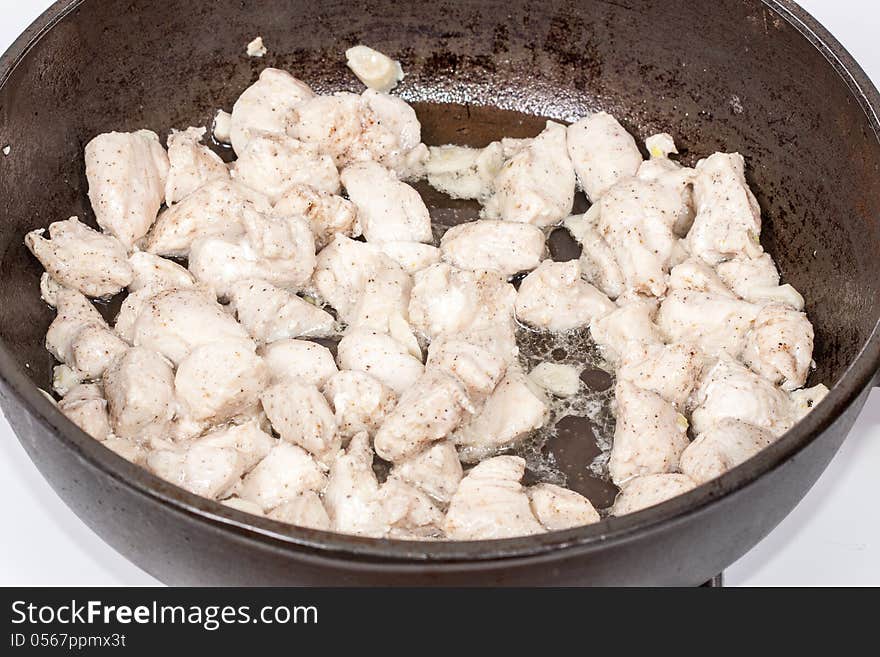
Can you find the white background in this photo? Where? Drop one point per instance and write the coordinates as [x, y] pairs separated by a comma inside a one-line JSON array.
[[833, 537]]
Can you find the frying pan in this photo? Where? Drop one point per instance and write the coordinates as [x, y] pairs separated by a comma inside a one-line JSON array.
[[761, 78]]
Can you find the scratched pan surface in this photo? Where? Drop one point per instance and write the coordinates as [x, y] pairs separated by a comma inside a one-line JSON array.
[[759, 78]]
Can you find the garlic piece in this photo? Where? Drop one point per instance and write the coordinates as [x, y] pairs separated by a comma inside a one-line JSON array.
[[374, 69]]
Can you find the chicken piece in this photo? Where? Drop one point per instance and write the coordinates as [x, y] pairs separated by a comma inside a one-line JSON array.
[[636, 219], [649, 437], [382, 304], [536, 185], [695, 275], [248, 439], [220, 380], [411, 256], [730, 390], [127, 449], [557, 379], [270, 313], [242, 505], [139, 388], [81, 258], [299, 360], [553, 297], [80, 338], [602, 153], [514, 408], [126, 172], [267, 106], [436, 470], [757, 280], [380, 356], [157, 274], [805, 400], [85, 406], [463, 172], [632, 322], [352, 494], [360, 403], [395, 135], [300, 414], [670, 173], [208, 471], [713, 323], [558, 508], [669, 370], [505, 246], [427, 411], [284, 474], [409, 512], [728, 219], [278, 250], [326, 213], [273, 163], [215, 209], [375, 69], [388, 210], [722, 447], [780, 346], [643, 492], [177, 321], [305, 510], [490, 503], [477, 367], [598, 265], [192, 164]]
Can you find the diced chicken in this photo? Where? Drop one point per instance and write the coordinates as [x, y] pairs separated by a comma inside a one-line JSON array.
[[192, 164], [326, 213], [299, 360], [650, 490], [558, 508], [514, 408], [730, 390], [270, 313], [649, 437], [85, 406], [436, 470], [505, 246], [556, 378], [805, 400], [157, 274], [352, 494], [126, 172], [669, 370], [380, 356], [598, 265], [411, 256], [248, 439], [81, 258], [427, 411], [375, 69], [409, 512], [757, 280], [273, 163], [244, 506], [602, 152], [670, 173], [305, 510], [780, 346], [632, 322], [286, 472], [713, 323], [214, 210], [478, 367], [177, 321], [536, 185], [395, 137], [462, 172], [139, 388], [382, 304], [266, 106], [491, 503], [301, 415], [555, 298], [728, 219], [360, 403], [127, 449], [721, 447], [695, 275]]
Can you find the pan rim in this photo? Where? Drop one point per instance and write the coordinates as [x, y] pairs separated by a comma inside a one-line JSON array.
[[354, 552]]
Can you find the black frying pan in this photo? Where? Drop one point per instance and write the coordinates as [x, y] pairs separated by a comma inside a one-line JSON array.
[[761, 78]]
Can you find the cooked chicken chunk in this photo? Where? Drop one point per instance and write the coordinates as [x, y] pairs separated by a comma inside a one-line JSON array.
[[555, 298], [352, 494], [410, 513], [670, 370], [380, 356], [632, 322], [81, 258], [157, 274], [757, 280], [780, 346], [299, 360], [436, 470], [244, 506], [286, 472], [505, 246], [375, 69], [643, 492], [728, 219], [126, 172], [266, 106], [559, 508], [478, 367], [85, 406], [192, 164], [427, 411], [490, 503], [721, 447], [305, 510], [805, 400], [411, 256], [383, 301], [139, 388], [300, 415], [598, 265], [650, 434], [326, 213], [695, 275], [670, 173], [602, 152], [270, 313], [359, 402], [462, 172]]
